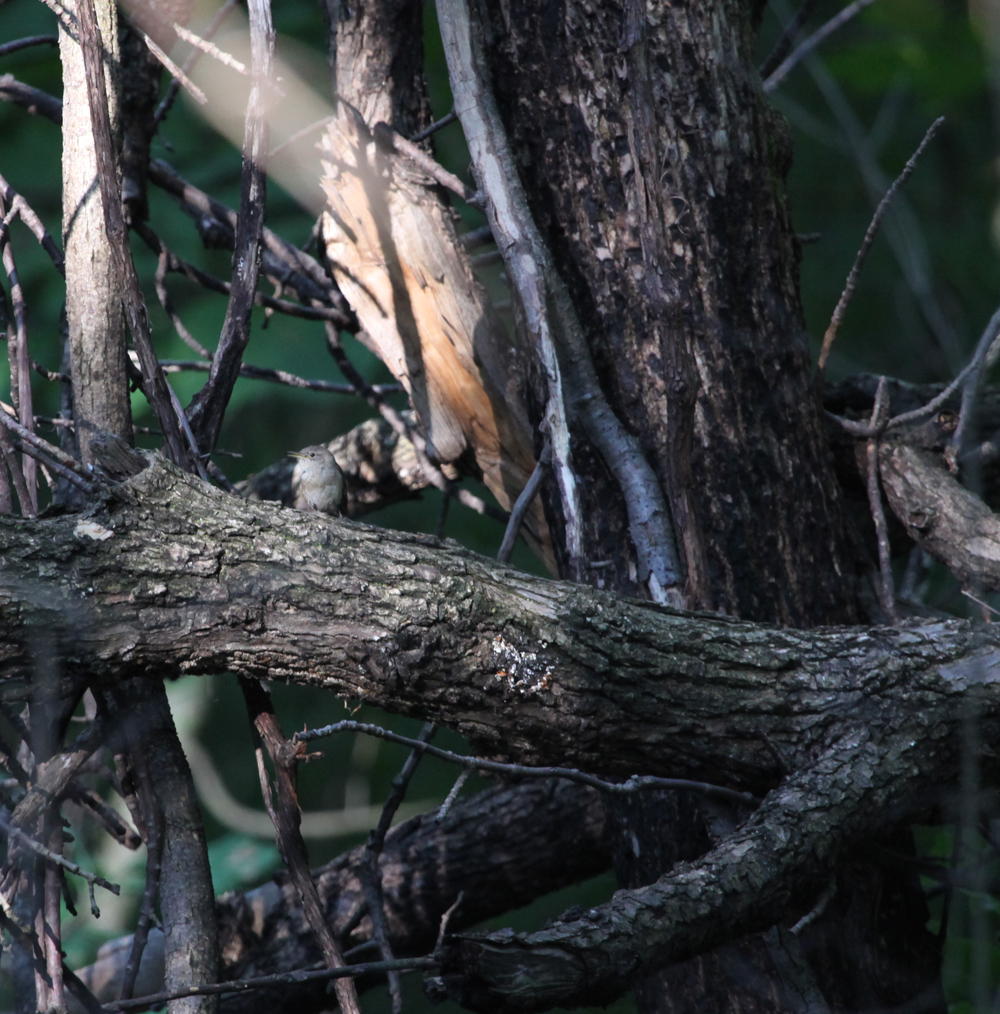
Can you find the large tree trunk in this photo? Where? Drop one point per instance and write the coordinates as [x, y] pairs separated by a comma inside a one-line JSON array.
[[656, 168]]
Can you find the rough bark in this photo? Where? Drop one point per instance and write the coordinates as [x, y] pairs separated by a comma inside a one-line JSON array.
[[656, 169], [96, 319], [555, 836], [170, 575]]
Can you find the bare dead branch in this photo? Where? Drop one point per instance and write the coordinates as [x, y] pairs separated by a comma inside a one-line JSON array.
[[522, 504], [886, 588], [516, 235], [34, 100], [208, 407], [285, 755], [852, 278], [634, 783], [557, 336], [820, 35], [212, 50], [12, 466], [155, 385], [388, 138], [282, 260], [174, 87], [277, 377], [176, 72], [153, 839], [17, 354], [30, 40], [191, 271], [27, 215], [787, 38], [282, 979], [53, 857], [372, 874], [434, 127], [29, 438]]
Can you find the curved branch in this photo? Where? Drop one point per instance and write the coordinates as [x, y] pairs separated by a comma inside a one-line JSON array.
[[940, 515], [745, 883], [172, 576]]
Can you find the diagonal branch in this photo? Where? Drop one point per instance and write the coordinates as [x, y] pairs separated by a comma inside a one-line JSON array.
[[553, 324], [753, 879], [154, 383], [209, 406]]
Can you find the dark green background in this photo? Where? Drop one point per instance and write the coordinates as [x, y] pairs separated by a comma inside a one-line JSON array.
[[866, 99]]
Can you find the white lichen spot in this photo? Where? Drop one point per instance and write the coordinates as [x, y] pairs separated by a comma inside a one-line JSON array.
[[520, 670], [92, 530]]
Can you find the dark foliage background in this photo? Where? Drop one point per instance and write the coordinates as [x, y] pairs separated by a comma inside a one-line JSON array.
[[857, 110]]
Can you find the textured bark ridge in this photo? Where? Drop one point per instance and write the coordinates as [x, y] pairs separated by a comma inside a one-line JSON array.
[[170, 574], [554, 835], [656, 170], [839, 729]]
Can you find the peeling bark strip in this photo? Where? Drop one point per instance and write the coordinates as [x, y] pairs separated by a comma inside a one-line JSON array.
[[174, 575]]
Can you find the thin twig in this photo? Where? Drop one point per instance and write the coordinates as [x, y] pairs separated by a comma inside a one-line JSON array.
[[276, 377], [873, 226], [300, 134], [29, 40], [449, 800], [980, 356], [211, 49], [787, 38], [34, 100], [294, 267], [445, 919], [434, 127], [980, 602], [195, 274], [163, 294], [371, 873], [388, 138], [27, 215], [53, 857], [171, 68], [282, 979], [985, 351], [817, 910], [635, 783], [820, 35], [174, 87], [886, 587], [523, 502]]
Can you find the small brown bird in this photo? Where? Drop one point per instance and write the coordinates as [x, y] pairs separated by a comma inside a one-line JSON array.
[[317, 481]]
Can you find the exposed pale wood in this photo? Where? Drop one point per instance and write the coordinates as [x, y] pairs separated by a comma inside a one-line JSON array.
[[395, 256]]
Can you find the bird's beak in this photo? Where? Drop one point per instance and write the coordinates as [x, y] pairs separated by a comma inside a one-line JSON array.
[[295, 454]]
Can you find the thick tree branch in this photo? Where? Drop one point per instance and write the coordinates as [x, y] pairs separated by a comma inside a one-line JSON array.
[[172, 576], [554, 835]]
